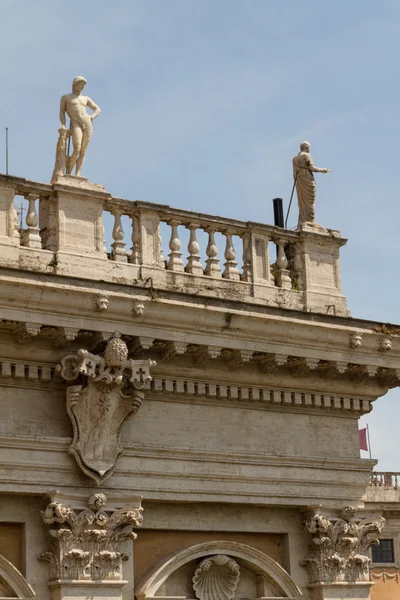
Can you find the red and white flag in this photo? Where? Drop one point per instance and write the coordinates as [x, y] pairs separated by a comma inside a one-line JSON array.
[[363, 439]]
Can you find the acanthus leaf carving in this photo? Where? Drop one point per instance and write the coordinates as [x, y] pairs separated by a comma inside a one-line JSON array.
[[216, 578], [87, 545], [339, 546], [107, 392]]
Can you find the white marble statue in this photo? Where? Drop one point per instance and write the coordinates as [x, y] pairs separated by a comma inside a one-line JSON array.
[[81, 127], [303, 173]]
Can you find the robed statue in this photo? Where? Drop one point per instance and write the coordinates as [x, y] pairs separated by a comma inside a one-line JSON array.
[[303, 173], [81, 128]]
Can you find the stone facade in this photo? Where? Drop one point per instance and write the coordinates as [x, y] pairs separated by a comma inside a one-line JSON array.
[[222, 400]]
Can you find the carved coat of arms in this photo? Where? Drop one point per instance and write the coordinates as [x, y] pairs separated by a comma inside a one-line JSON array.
[[108, 391]]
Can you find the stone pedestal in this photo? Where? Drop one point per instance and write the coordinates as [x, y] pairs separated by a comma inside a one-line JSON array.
[[9, 234], [80, 590], [341, 591], [321, 267], [80, 216]]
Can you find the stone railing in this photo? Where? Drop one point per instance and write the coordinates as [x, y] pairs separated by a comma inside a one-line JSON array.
[[63, 233], [385, 479]]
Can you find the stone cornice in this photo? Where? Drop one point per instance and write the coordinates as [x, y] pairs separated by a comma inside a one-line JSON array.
[[251, 325]]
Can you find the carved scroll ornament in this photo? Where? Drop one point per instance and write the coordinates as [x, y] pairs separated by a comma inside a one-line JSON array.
[[216, 578], [109, 392], [87, 544], [339, 546]]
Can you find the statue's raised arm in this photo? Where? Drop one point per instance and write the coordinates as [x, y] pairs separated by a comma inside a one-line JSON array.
[[303, 173]]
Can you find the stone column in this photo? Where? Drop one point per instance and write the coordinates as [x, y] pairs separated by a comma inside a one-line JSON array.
[[337, 562], [88, 547]]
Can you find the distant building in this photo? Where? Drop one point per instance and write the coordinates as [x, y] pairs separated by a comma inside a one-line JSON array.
[[384, 494]]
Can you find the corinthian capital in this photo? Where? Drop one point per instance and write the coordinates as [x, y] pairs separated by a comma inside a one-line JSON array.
[[339, 546]]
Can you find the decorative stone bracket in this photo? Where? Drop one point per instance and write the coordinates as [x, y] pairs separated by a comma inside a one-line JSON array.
[[339, 548], [87, 545], [109, 392]]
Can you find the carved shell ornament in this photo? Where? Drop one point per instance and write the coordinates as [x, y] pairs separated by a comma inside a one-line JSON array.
[[216, 578]]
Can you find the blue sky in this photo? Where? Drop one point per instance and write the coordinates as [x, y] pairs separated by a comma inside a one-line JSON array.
[[204, 104]]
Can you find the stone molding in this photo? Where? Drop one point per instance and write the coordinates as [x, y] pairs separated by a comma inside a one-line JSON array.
[[148, 584], [109, 391], [31, 371], [209, 475], [270, 397], [264, 396], [87, 545], [339, 547], [17, 585]]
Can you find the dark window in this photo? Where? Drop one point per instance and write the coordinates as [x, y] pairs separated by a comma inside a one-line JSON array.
[[384, 552]]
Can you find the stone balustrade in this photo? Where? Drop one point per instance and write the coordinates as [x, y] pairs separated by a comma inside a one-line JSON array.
[[385, 479], [63, 233]]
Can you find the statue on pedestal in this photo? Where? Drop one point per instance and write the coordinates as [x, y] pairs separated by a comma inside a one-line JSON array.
[[303, 173], [81, 129]]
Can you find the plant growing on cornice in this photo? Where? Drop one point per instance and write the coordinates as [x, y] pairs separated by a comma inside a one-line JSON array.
[[386, 329], [54, 261]]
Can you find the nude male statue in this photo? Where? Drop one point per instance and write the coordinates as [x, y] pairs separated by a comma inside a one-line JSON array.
[[81, 122]]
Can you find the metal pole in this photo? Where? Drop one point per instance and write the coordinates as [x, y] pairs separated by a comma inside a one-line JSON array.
[[290, 203], [6, 150], [369, 443]]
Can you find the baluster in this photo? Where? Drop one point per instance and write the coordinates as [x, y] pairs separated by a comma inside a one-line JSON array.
[[298, 268], [135, 257], [231, 271], [31, 236], [246, 273], [118, 246], [175, 262], [193, 265], [283, 278], [212, 263]]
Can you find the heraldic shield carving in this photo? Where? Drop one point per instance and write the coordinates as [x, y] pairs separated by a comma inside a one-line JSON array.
[[108, 391]]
